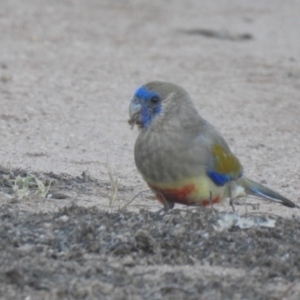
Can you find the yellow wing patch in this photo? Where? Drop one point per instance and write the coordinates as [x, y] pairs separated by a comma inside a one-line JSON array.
[[225, 163]]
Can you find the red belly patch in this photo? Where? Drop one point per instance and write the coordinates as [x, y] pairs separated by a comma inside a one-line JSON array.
[[182, 196], [208, 202]]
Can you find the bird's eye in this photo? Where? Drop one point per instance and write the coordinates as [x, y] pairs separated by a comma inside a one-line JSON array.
[[154, 99]]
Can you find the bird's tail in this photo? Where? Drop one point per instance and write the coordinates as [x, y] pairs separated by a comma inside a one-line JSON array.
[[256, 189]]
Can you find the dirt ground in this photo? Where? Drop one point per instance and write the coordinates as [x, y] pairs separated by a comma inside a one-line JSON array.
[[68, 70]]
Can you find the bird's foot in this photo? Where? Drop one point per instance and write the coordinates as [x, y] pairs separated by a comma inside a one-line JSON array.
[[212, 203], [231, 204]]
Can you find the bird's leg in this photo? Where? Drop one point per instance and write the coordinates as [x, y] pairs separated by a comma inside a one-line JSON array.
[[211, 203], [231, 200], [231, 204], [167, 204], [210, 198]]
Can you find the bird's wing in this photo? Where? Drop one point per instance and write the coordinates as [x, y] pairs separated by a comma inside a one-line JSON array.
[[220, 163], [224, 166]]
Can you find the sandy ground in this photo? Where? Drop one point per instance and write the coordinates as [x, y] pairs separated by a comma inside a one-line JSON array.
[[68, 70]]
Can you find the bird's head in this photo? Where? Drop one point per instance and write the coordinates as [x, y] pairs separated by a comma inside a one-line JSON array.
[[153, 100]]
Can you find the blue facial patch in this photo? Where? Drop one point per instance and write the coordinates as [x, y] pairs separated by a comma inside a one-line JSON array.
[[149, 110], [143, 93]]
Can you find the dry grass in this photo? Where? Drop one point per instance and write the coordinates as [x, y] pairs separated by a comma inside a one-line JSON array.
[[23, 187]]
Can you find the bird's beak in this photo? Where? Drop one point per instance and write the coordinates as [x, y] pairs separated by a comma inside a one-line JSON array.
[[134, 112]]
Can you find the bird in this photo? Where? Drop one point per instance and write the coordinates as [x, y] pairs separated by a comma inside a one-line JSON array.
[[181, 156]]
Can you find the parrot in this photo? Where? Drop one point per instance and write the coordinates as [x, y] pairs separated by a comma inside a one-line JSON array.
[[181, 156]]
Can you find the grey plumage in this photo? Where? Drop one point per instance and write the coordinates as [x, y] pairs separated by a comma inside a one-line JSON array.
[[177, 148]]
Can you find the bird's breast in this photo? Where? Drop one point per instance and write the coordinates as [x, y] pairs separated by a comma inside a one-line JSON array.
[[167, 157]]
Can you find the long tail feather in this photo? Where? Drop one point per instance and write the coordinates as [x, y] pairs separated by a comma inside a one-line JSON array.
[[256, 189]]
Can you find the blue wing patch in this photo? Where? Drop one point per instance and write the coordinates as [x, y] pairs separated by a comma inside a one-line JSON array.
[[221, 179], [218, 179]]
